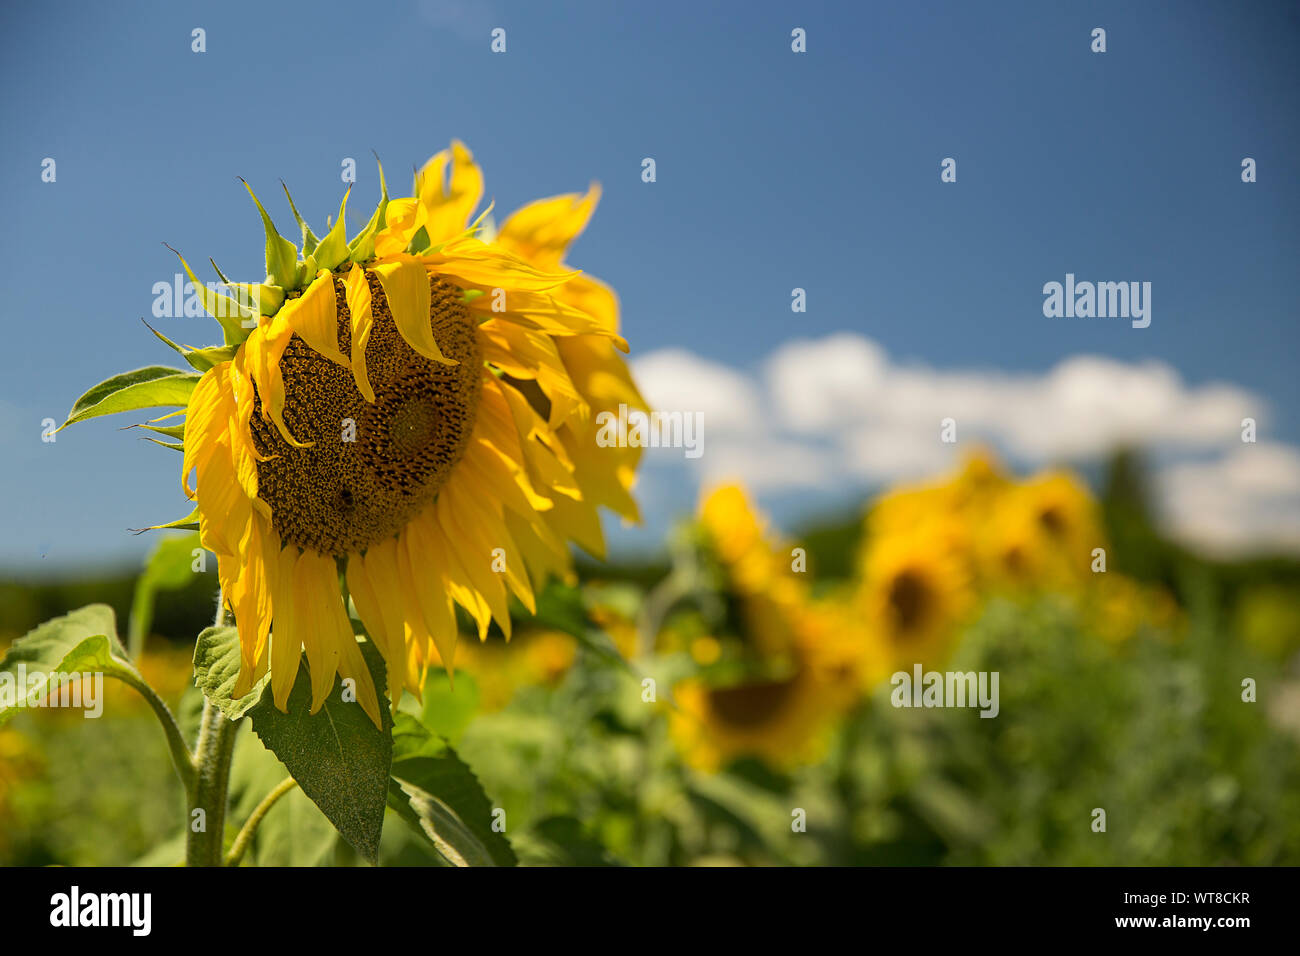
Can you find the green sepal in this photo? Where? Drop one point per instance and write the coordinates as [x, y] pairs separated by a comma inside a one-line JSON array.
[[259, 297], [309, 240], [174, 445], [189, 523], [307, 270], [204, 359], [333, 249], [281, 254], [235, 320], [171, 431], [362, 248], [199, 359]]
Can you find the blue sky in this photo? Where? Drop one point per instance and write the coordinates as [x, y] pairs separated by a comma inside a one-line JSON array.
[[774, 170]]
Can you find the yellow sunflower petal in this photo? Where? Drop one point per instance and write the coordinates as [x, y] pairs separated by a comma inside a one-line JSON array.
[[286, 641], [357, 291], [449, 208], [314, 318], [542, 231], [406, 286], [430, 580]]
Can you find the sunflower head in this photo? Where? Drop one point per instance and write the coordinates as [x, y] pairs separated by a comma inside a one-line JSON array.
[[915, 592], [773, 689], [405, 416], [1041, 534]]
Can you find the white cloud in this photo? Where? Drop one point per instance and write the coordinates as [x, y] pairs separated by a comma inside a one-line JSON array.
[[835, 413], [1246, 501], [675, 380]]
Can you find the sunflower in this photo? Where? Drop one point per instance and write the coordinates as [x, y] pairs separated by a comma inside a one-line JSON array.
[[534, 657], [1042, 534], [782, 721], [773, 693], [409, 419], [914, 594], [759, 574]]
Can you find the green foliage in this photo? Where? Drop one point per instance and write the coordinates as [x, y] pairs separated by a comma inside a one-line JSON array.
[[216, 669], [338, 756], [82, 641], [142, 388], [168, 568], [434, 791]]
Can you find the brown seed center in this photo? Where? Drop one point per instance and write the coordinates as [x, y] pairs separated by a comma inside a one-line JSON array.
[[372, 465], [909, 598]]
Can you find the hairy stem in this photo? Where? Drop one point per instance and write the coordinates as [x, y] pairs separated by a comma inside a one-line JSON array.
[[216, 746]]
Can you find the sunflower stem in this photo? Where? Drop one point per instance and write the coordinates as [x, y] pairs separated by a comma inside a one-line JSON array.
[[205, 841]]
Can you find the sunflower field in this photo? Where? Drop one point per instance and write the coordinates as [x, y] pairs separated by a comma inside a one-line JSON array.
[[740, 704]]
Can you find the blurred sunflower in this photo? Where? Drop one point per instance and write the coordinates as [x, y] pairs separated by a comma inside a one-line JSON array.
[[963, 501], [534, 657], [781, 721], [1043, 533], [759, 575], [773, 690], [409, 417], [916, 590]]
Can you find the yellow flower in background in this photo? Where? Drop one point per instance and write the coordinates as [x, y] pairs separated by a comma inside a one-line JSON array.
[[781, 721], [759, 573], [963, 501], [916, 591], [412, 418], [1066, 518], [533, 658], [799, 661]]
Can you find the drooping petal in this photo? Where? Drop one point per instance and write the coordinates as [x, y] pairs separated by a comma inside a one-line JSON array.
[[449, 206], [314, 318], [286, 636], [542, 231], [357, 292], [406, 286]]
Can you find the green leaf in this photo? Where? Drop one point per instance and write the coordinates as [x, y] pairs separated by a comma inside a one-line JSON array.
[[216, 668], [565, 842], [143, 388], [169, 567], [437, 794], [294, 832], [83, 641], [338, 756]]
